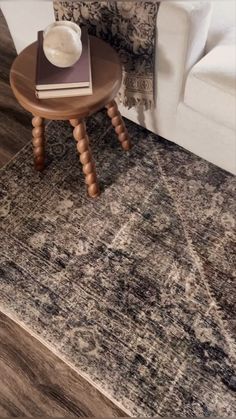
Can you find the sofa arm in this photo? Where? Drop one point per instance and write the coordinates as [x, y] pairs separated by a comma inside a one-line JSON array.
[[182, 34]]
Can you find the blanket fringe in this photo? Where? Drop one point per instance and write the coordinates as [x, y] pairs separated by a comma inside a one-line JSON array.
[[135, 101]]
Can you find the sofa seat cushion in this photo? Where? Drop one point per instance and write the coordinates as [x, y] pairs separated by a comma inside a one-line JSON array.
[[211, 84]]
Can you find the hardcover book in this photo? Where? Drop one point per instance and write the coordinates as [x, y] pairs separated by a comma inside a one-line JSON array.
[[50, 77], [59, 93]]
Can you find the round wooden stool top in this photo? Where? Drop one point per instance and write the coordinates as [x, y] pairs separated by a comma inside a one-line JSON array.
[[106, 79]]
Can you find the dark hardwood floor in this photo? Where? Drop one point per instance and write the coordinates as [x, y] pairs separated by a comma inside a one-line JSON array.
[[15, 122], [34, 381]]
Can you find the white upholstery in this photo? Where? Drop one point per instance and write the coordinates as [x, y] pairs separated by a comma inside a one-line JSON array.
[[182, 33], [211, 84], [195, 99], [223, 18], [183, 41], [206, 138]]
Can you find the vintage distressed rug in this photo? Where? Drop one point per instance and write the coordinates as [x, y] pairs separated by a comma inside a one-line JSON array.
[[137, 288], [130, 27]]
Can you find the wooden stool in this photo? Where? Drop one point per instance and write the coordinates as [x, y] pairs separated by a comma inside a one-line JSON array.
[[106, 76]]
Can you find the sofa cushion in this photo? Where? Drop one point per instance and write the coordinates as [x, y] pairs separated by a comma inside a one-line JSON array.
[[211, 84], [223, 17]]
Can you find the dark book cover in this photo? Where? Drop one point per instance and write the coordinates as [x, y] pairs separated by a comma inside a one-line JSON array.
[[50, 77]]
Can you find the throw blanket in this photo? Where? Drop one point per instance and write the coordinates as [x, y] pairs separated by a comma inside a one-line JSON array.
[[130, 27]]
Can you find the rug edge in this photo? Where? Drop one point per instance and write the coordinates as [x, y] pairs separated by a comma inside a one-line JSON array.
[[47, 345]]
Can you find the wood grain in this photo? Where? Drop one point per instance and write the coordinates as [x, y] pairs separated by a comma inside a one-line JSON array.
[[38, 142], [15, 122], [107, 76], [35, 382], [119, 125], [86, 159]]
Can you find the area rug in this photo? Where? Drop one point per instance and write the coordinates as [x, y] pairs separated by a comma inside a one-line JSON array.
[[136, 288]]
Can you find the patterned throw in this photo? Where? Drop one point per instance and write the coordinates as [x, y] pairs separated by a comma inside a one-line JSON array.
[[130, 27]]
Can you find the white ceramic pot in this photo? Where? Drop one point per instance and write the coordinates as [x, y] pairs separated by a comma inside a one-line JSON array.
[[62, 43]]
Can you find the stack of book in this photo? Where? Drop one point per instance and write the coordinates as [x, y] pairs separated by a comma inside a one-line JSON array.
[[56, 82]]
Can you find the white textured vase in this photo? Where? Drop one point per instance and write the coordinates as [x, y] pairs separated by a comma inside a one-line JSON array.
[[62, 43]]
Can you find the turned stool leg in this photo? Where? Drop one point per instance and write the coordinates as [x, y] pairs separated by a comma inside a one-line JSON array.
[[119, 125], [38, 142], [86, 158]]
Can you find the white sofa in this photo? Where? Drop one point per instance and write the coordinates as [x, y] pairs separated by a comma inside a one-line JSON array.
[[195, 72]]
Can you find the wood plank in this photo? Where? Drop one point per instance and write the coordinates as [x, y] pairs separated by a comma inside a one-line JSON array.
[[15, 122], [36, 382]]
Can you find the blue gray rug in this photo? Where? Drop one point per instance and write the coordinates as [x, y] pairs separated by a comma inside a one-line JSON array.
[[137, 288]]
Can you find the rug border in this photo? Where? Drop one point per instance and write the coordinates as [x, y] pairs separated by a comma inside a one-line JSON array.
[[85, 376], [20, 323]]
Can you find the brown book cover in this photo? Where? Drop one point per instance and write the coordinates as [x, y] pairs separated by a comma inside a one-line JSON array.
[[49, 77]]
